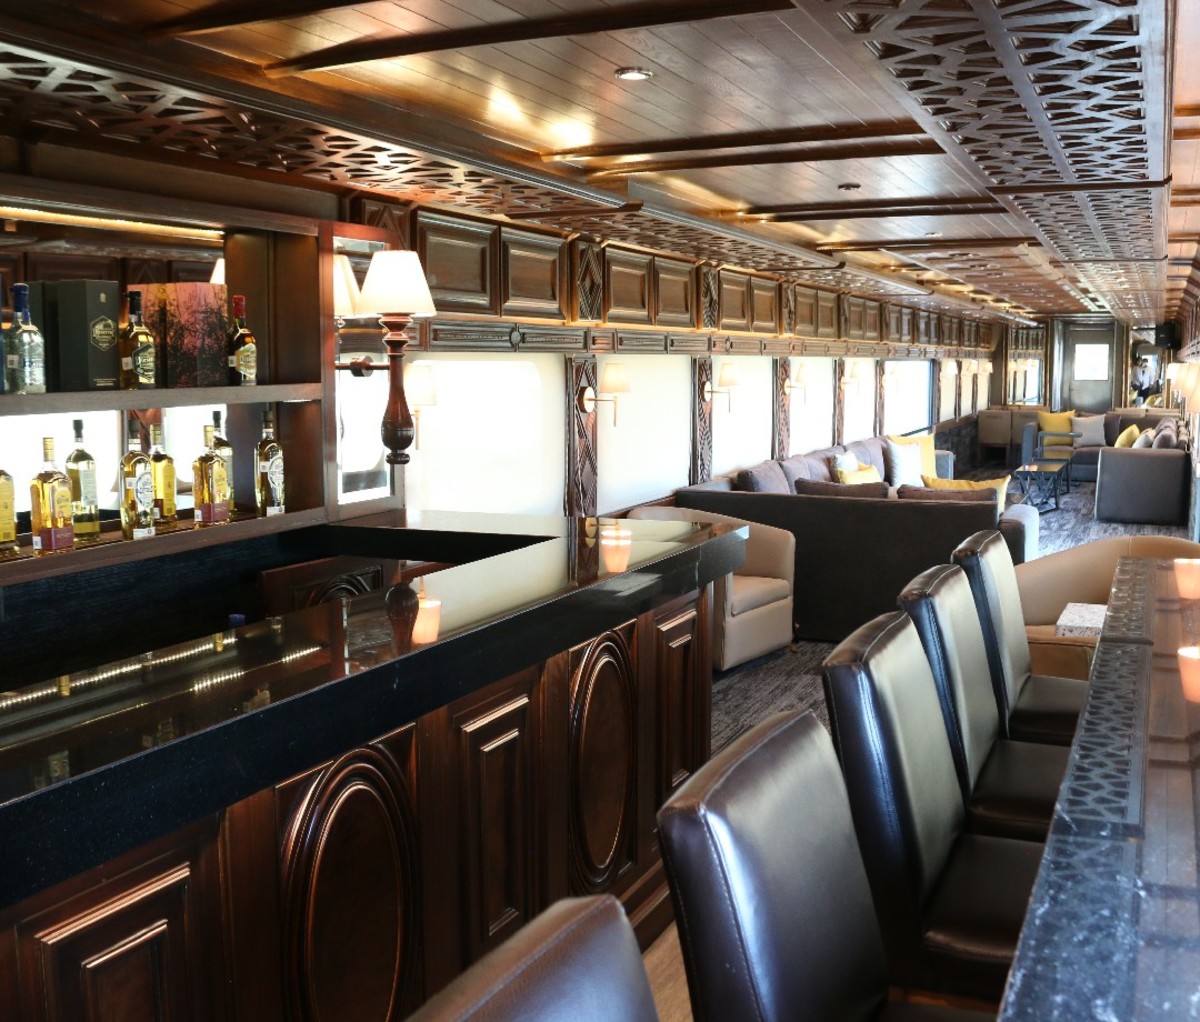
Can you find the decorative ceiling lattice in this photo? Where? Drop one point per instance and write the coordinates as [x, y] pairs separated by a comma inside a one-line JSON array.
[[1040, 96]]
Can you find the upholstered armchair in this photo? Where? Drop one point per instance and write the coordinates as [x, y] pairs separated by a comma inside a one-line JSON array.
[[753, 606]]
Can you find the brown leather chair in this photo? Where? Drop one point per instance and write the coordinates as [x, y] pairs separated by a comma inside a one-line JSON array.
[[1009, 788], [950, 903], [1033, 707], [774, 912], [576, 962]]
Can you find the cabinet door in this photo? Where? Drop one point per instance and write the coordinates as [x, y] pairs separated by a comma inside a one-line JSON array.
[[141, 946], [683, 667]]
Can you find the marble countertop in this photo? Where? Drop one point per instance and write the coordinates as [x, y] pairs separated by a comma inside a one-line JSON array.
[[102, 760]]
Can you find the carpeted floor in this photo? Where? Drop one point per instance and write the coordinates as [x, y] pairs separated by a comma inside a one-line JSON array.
[[1075, 523]]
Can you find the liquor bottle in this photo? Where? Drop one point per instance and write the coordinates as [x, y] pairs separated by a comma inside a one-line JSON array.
[[50, 501], [85, 504], [210, 484], [223, 448], [268, 482], [8, 516], [162, 469], [137, 489], [138, 349], [242, 348], [24, 349]]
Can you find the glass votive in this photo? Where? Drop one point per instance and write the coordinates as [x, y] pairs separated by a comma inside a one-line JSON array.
[[1189, 672], [616, 544], [1187, 577]]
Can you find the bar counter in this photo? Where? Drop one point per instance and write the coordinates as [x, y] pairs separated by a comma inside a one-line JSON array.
[[1113, 927], [86, 774]]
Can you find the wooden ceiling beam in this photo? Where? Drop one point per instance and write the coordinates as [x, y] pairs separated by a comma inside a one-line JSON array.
[[611, 19], [933, 245], [808, 154], [870, 209], [739, 140], [981, 209], [236, 13]]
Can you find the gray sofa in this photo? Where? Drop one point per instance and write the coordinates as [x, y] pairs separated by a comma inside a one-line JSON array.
[[1149, 487], [1086, 459]]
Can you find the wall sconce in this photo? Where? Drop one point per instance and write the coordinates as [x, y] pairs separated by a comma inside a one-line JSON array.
[[1187, 577], [853, 373], [396, 291], [419, 389], [1189, 672], [345, 288], [949, 367], [429, 618], [727, 383], [613, 383], [797, 381], [218, 272]]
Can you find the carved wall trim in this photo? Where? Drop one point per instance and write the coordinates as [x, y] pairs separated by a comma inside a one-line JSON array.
[[389, 216], [781, 401], [581, 494], [700, 470]]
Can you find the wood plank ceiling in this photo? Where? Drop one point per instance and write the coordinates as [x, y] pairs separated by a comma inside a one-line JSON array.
[[997, 157]]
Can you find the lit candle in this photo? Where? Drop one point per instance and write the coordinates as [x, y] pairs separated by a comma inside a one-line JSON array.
[[616, 543], [1189, 672], [1187, 577]]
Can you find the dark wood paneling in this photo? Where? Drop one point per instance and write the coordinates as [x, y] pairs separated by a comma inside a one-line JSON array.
[[533, 338], [351, 891], [853, 317], [674, 293], [700, 468], [470, 337], [710, 298], [684, 685], [827, 315], [461, 262], [645, 342], [871, 321], [781, 403], [602, 340], [63, 266], [688, 343], [735, 301], [534, 274], [906, 326], [580, 498], [149, 271], [806, 312], [764, 306], [891, 324], [139, 945], [627, 287], [587, 276], [602, 762]]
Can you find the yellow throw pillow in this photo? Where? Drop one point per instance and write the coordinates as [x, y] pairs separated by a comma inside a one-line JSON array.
[[928, 455], [999, 485], [862, 474], [1128, 435], [1056, 422]]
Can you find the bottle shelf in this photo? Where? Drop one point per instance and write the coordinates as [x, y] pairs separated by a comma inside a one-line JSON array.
[[112, 548], [163, 397]]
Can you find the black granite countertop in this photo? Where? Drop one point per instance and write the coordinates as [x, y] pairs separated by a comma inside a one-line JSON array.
[[101, 760], [1113, 927]]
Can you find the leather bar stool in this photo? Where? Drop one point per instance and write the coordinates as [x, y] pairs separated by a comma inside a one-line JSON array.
[[774, 912], [1033, 707], [950, 903], [578, 961], [1009, 788]]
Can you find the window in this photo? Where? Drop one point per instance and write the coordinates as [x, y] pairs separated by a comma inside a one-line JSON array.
[[858, 399], [947, 388], [811, 404], [1091, 361], [907, 393]]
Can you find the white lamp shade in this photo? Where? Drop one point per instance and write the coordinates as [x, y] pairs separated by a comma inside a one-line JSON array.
[[949, 367], [428, 623], [1183, 381], [345, 286], [218, 273], [1173, 370], [614, 379], [800, 376], [395, 283], [1190, 391], [728, 378], [418, 385]]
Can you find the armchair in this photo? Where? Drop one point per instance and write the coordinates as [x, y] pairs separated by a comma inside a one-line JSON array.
[[753, 606]]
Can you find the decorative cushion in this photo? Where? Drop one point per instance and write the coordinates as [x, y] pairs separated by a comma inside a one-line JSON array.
[[1092, 428], [928, 453], [1056, 422], [904, 463], [1165, 439], [1000, 485], [816, 488], [862, 474], [930, 493], [1145, 440], [795, 467], [1129, 435], [766, 477], [843, 461], [871, 451], [749, 592]]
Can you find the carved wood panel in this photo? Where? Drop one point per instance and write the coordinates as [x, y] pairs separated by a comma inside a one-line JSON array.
[[461, 261], [764, 306], [806, 311], [581, 495], [782, 419], [351, 897], [871, 320], [627, 286], [735, 301], [674, 293], [700, 470], [684, 686], [602, 762], [853, 318], [534, 274], [588, 265], [710, 298], [788, 293], [394, 217], [827, 315]]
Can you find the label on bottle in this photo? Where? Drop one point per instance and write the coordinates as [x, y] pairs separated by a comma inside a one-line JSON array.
[[143, 491], [103, 333], [209, 513], [12, 360], [127, 364], [87, 487], [8, 517], [145, 533], [246, 362], [274, 509], [274, 471], [62, 538], [143, 363]]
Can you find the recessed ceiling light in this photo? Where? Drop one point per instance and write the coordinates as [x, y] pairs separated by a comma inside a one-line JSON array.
[[633, 74], [933, 234], [849, 186]]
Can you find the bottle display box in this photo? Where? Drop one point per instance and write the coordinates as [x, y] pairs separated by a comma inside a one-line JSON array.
[[190, 321], [81, 326]]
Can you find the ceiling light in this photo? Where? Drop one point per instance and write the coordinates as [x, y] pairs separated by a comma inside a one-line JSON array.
[[633, 74], [849, 186], [933, 234], [43, 216]]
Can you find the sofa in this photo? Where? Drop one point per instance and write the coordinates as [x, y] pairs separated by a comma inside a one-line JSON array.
[[1085, 457], [854, 553], [753, 605]]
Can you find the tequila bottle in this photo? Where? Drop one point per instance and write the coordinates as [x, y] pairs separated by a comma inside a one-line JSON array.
[[8, 516], [242, 348], [223, 448], [50, 506], [268, 481], [137, 489], [24, 349], [210, 484], [85, 504], [138, 349], [162, 468]]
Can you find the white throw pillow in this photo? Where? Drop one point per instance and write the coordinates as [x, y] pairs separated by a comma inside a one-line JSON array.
[[844, 462], [1145, 439], [904, 464], [1092, 428]]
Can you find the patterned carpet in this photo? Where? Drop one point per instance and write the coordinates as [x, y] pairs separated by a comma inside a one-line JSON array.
[[785, 681]]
